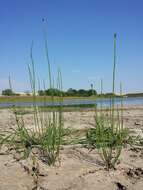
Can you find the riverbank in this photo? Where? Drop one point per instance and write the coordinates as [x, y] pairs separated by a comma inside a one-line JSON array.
[[12, 99], [79, 168]]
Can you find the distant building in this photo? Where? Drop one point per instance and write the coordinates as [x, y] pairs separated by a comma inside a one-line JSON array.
[[25, 93]]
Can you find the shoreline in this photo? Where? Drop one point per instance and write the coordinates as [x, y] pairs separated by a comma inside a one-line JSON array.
[[79, 108], [11, 99]]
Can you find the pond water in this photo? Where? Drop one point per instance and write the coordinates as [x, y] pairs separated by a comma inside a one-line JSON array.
[[105, 102]]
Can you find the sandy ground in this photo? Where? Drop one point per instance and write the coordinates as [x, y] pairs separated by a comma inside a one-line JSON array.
[[78, 169]]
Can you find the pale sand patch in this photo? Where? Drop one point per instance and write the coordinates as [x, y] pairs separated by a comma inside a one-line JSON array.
[[79, 169]]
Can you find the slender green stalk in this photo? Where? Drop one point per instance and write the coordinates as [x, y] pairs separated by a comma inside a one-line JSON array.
[[48, 61], [109, 136], [10, 84], [101, 86], [121, 95], [113, 81], [114, 64], [101, 92]]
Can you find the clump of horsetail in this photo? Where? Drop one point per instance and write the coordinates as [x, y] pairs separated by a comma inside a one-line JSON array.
[[47, 127], [108, 134], [47, 131]]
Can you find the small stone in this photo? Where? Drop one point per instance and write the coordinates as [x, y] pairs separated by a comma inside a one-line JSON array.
[[120, 186], [3, 150], [35, 150], [136, 123], [17, 156]]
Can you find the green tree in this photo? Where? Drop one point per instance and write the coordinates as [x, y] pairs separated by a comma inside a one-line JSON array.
[[41, 92], [52, 92], [82, 92], [7, 92], [91, 92], [71, 92]]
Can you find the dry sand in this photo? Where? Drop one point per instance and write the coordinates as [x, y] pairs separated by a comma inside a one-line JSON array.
[[79, 169]]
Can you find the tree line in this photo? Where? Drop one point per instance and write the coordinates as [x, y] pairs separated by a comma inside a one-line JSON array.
[[69, 92], [57, 92]]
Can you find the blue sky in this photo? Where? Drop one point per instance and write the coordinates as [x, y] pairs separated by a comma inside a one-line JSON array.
[[80, 42]]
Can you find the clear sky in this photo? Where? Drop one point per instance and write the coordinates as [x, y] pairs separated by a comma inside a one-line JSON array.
[[80, 41]]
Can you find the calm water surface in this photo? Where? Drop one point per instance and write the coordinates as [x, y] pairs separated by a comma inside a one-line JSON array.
[[105, 102]]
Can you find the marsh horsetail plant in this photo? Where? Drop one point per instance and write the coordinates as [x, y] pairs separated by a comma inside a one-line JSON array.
[[46, 133], [47, 127], [108, 134]]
